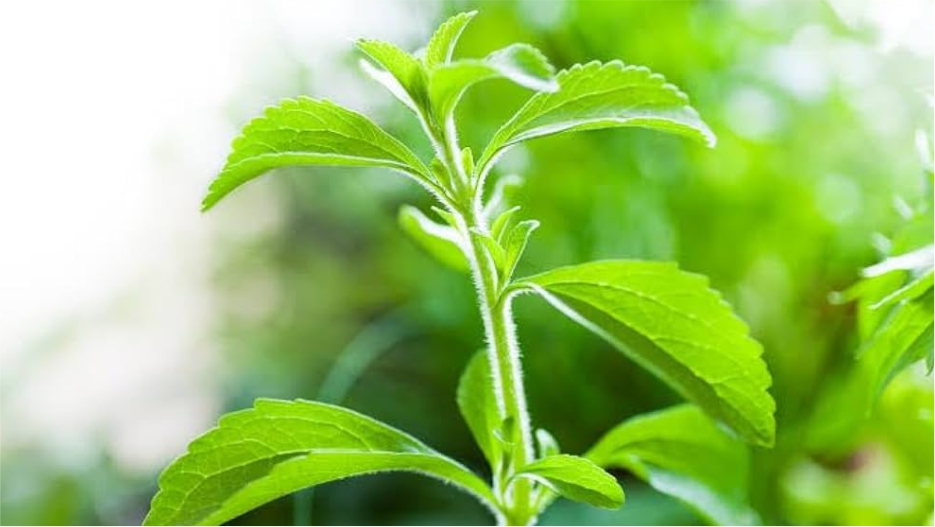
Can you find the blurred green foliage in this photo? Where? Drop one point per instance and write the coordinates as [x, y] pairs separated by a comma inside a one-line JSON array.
[[816, 133]]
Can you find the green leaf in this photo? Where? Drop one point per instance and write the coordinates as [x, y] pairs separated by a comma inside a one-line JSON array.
[[903, 338], [680, 452], [398, 71], [520, 63], [441, 241], [575, 478], [256, 456], [310, 132], [442, 44], [594, 96], [515, 245], [916, 287], [671, 323], [478, 405]]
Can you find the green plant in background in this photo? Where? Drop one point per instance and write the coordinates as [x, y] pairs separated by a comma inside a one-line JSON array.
[[668, 321]]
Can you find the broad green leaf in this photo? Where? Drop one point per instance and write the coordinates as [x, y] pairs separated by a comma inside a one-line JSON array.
[[278, 447], [575, 478], [679, 451], [520, 63], [671, 323], [398, 71], [594, 96], [478, 405], [441, 241], [442, 44], [307, 131]]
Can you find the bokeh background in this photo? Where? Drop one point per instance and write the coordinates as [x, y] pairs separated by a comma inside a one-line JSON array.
[[129, 321]]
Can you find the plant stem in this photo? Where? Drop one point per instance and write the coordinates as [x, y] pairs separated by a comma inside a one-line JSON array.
[[505, 367], [497, 316]]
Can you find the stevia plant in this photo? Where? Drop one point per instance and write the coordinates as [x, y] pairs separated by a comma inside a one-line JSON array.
[[667, 320]]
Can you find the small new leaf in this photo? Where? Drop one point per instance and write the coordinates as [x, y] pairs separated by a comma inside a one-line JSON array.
[[671, 323], [442, 44], [398, 71], [515, 245], [308, 131], [680, 452], [594, 96], [575, 478], [256, 456], [441, 241]]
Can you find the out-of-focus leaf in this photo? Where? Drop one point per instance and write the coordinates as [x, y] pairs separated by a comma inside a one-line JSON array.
[[278, 447], [680, 452], [441, 241], [596, 95], [671, 323], [308, 131], [903, 338], [575, 478]]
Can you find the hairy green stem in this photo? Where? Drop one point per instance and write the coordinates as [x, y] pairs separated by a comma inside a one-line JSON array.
[[502, 346]]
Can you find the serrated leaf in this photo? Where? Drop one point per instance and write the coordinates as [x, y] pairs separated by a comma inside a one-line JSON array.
[[442, 44], [478, 405], [441, 241], [671, 323], [575, 478], [594, 96], [398, 71], [680, 452], [308, 131], [520, 63], [278, 447]]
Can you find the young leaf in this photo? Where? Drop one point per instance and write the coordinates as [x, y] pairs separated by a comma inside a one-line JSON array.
[[307, 131], [478, 404], [442, 44], [441, 241], [680, 452], [502, 223], [575, 478], [399, 72], [520, 63], [515, 245], [672, 324], [278, 447], [548, 446], [594, 96]]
